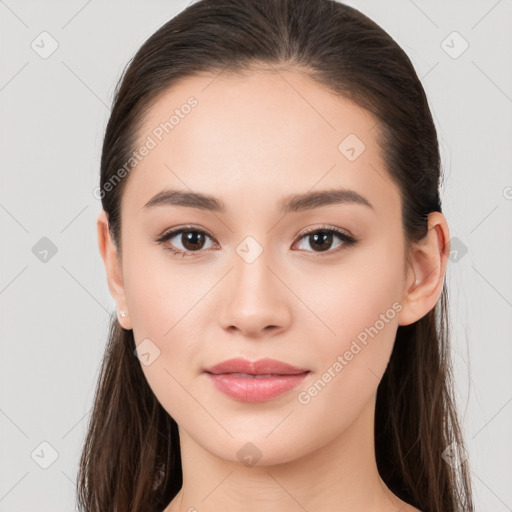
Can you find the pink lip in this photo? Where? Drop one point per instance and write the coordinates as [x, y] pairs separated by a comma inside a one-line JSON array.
[[265, 379]]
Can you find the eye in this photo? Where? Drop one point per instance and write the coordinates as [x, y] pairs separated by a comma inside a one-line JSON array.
[[322, 238], [191, 239]]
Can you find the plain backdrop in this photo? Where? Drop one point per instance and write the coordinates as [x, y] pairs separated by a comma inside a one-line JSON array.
[[54, 299]]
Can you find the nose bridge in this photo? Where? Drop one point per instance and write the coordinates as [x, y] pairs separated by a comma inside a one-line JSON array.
[[253, 299], [252, 277]]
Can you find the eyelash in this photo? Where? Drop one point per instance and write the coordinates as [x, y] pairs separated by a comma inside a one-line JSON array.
[[346, 239]]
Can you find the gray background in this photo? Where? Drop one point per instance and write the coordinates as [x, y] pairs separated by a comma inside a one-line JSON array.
[[54, 313]]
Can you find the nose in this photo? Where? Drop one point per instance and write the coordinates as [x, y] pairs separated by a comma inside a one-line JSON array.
[[257, 302]]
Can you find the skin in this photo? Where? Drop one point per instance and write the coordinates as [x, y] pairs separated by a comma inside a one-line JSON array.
[[251, 141]]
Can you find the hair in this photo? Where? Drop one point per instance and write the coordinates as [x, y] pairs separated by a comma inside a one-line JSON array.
[[131, 456]]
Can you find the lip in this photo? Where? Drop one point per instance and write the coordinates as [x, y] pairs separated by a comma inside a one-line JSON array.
[[260, 367], [255, 381]]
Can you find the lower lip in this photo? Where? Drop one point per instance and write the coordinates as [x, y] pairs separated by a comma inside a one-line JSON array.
[[251, 389]]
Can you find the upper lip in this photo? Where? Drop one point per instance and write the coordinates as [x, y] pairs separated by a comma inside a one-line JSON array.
[[260, 367]]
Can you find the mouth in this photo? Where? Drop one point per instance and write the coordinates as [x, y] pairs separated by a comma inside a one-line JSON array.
[[267, 367], [257, 381], [254, 376]]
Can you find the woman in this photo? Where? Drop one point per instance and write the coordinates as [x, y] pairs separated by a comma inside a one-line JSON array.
[[273, 238]]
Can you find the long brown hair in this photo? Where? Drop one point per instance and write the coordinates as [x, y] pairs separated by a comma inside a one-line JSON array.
[[131, 457]]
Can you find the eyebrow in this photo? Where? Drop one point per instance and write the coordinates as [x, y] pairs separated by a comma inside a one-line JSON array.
[[292, 203]]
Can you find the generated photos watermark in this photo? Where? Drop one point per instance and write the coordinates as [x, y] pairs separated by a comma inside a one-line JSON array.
[[342, 360]]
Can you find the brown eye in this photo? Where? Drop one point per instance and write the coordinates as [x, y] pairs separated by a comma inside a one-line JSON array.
[[192, 240], [187, 241], [321, 239]]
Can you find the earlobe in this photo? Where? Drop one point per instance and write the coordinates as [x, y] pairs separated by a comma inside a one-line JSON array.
[[113, 268], [426, 271]]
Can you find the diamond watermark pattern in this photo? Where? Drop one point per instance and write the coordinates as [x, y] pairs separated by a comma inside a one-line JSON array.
[[351, 147], [249, 249], [44, 250], [458, 249], [249, 454], [454, 45], [147, 352], [44, 45], [454, 455], [44, 455]]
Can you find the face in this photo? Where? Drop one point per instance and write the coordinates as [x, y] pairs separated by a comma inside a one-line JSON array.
[[255, 279]]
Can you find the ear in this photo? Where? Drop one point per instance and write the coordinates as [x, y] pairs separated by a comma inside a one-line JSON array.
[[426, 271], [113, 269]]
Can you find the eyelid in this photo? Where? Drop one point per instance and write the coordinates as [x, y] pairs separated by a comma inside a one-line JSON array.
[[347, 239], [175, 231], [172, 232], [325, 227]]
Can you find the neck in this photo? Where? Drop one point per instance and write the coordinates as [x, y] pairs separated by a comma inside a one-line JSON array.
[[341, 475]]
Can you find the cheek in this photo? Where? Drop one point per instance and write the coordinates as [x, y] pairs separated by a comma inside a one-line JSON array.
[[161, 303], [351, 363], [359, 313], [159, 292], [164, 301], [350, 297]]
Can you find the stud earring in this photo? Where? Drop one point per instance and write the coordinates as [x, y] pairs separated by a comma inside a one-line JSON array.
[[122, 313]]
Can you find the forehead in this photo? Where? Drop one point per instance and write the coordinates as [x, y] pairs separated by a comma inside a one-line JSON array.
[[273, 133]]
